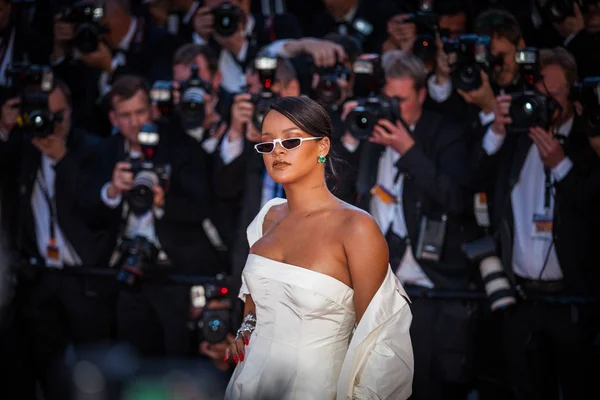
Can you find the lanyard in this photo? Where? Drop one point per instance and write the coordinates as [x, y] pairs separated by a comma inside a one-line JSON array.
[[51, 206], [547, 189]]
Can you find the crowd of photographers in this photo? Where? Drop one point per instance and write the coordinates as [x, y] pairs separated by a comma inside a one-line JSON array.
[[469, 129]]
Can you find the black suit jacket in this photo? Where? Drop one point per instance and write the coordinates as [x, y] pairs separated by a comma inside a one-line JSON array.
[[27, 161], [437, 181], [572, 210], [188, 202]]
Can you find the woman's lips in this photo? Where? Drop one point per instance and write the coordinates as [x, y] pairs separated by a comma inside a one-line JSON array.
[[280, 164]]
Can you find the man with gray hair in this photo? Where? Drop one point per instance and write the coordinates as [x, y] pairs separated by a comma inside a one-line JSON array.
[[414, 179]]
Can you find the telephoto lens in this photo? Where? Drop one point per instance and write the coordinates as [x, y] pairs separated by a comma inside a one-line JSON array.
[[141, 195]]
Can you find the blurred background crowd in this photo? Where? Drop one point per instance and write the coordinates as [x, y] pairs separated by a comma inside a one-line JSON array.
[[128, 176]]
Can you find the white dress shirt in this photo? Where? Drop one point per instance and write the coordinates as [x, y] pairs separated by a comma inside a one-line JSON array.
[[392, 216], [527, 197], [41, 216], [233, 77]]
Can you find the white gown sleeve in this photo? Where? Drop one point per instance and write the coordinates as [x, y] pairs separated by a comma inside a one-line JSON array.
[[253, 233], [379, 363]]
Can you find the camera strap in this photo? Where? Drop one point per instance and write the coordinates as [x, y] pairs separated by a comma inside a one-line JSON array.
[[547, 189]]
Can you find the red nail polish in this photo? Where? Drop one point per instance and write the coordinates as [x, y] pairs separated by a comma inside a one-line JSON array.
[[241, 356], [235, 359], [225, 358], [246, 341]]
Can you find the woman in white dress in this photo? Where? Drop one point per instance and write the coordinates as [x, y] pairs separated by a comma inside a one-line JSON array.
[[325, 317]]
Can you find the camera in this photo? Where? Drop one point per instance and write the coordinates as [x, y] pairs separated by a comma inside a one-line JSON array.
[[468, 55], [226, 18], [191, 103], [86, 17], [33, 84], [556, 11], [588, 94], [368, 75], [424, 48], [137, 254], [362, 119], [213, 323], [146, 172], [497, 287], [327, 92], [530, 107], [266, 68]]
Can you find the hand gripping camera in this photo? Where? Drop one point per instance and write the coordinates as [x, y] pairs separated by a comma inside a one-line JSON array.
[[191, 104], [86, 17], [497, 288], [588, 94], [226, 18], [33, 84], [530, 107], [372, 106], [146, 172], [468, 55], [212, 324], [266, 68]]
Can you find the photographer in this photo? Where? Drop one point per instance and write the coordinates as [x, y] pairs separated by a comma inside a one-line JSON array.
[[414, 180], [503, 77], [578, 30], [159, 231], [237, 35], [53, 240], [543, 237], [196, 98], [90, 53]]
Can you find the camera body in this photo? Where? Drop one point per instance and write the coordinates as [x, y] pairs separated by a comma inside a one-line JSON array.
[[266, 68], [86, 17], [468, 55], [146, 173], [327, 92], [213, 323], [588, 94], [33, 84], [191, 103], [369, 76], [530, 107], [361, 120], [136, 255], [226, 18], [426, 22], [497, 287]]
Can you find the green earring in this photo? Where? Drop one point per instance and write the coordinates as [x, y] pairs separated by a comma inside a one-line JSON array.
[[321, 159]]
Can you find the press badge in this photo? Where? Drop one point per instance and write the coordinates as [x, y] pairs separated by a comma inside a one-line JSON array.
[[481, 210], [542, 226], [432, 234], [384, 195]]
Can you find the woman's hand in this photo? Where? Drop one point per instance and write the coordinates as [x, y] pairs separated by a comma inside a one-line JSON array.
[[238, 347]]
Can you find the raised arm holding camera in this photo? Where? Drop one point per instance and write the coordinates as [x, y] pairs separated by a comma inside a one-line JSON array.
[[534, 148], [94, 44]]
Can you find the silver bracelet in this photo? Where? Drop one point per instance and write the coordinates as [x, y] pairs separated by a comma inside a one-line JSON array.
[[245, 328]]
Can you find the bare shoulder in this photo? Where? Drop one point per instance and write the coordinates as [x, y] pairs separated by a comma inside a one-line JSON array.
[[274, 216], [358, 223]]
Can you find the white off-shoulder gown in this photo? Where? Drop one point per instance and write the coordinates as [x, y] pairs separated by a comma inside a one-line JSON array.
[[305, 320]]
